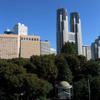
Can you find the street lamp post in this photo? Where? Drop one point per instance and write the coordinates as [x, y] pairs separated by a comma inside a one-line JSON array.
[[89, 89]]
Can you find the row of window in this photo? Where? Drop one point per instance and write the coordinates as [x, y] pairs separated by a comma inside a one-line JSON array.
[[33, 39]]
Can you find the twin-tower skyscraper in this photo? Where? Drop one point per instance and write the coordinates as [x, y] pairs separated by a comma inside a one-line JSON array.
[[62, 34]]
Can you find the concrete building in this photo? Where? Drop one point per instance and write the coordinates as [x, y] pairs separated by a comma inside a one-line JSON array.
[[44, 47], [30, 45], [71, 37], [62, 34], [87, 52], [62, 28], [8, 46], [20, 29], [52, 51], [95, 48], [75, 26]]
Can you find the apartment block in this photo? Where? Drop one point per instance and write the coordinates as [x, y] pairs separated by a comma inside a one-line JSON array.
[[8, 46]]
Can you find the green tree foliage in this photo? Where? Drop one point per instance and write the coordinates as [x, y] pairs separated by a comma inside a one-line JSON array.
[[24, 63], [64, 72], [69, 48], [36, 77], [15, 79], [45, 67], [11, 78], [91, 68], [95, 88], [36, 87], [74, 65], [81, 90]]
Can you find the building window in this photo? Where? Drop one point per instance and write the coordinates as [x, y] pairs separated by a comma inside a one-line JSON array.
[[26, 38], [32, 39]]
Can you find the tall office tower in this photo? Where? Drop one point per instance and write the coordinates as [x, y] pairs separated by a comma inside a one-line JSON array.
[[75, 26], [44, 47], [20, 29], [62, 28], [95, 48], [87, 51]]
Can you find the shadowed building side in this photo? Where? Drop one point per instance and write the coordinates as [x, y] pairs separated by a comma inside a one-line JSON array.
[[62, 28], [75, 26]]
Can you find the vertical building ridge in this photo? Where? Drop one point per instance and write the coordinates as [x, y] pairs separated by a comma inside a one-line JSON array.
[[62, 28]]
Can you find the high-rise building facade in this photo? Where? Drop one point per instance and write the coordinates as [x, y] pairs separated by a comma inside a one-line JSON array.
[[87, 52], [20, 29], [62, 28], [95, 48], [62, 34], [75, 26]]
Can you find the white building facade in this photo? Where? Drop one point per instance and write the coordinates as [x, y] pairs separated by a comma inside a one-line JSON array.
[[20, 29], [87, 52]]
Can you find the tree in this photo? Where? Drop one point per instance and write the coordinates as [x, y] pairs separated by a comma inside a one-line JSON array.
[[91, 68], [95, 88], [15, 79], [11, 78], [69, 48], [45, 67], [81, 90], [64, 72], [74, 65], [24, 63], [36, 87]]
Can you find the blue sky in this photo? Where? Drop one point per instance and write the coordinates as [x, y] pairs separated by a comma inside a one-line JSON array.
[[40, 17]]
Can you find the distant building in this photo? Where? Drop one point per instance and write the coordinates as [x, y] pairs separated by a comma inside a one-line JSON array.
[[62, 28], [30, 45], [44, 47], [62, 34], [11, 46], [20, 29], [52, 51], [95, 48], [75, 26], [87, 52], [8, 46]]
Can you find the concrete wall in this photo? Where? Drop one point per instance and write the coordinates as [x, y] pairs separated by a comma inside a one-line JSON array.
[[30, 45], [8, 46]]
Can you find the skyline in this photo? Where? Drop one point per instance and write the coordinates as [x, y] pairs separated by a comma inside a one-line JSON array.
[[36, 15]]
